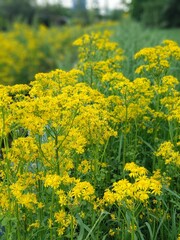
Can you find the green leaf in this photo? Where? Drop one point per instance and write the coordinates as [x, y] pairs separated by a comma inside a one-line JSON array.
[[150, 231]]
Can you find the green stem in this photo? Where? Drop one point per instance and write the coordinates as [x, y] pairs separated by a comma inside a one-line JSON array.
[[136, 140], [91, 76], [51, 215], [133, 228], [18, 223], [120, 147], [171, 131], [97, 221], [72, 228], [40, 212], [125, 140], [57, 154], [104, 150]]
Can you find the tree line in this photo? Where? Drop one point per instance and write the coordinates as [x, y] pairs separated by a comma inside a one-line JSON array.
[[159, 13], [30, 11]]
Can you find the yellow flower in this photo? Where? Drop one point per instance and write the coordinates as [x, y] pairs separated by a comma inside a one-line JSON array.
[[125, 192], [109, 197], [64, 220], [157, 58], [84, 167], [111, 232], [52, 180], [166, 151], [135, 171], [36, 224], [62, 197], [82, 190], [50, 223]]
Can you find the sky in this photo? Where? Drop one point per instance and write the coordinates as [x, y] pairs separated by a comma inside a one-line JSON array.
[[112, 4]]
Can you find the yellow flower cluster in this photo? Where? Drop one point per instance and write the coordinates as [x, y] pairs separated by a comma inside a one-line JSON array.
[[168, 154], [64, 220], [22, 152], [126, 192], [70, 142], [131, 99], [157, 58], [84, 167], [97, 56], [26, 51], [82, 190], [52, 181], [27, 199]]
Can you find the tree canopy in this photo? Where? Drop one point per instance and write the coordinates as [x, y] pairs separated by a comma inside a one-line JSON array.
[[161, 13]]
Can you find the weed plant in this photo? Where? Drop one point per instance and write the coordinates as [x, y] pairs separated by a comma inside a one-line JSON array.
[[94, 151]]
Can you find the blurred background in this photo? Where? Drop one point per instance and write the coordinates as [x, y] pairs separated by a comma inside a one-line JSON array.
[[161, 13], [37, 35]]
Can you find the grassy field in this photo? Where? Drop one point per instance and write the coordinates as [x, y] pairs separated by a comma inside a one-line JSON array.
[[90, 150]]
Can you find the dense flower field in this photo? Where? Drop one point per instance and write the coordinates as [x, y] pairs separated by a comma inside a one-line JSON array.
[[91, 154], [25, 51]]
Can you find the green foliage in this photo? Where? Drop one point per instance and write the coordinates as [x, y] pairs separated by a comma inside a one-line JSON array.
[[137, 9], [132, 36], [30, 12], [152, 14], [51, 14], [171, 13], [12, 10], [157, 12]]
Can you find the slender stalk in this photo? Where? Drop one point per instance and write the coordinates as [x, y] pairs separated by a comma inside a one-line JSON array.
[[133, 227], [18, 222], [171, 135], [125, 140], [120, 147], [72, 228], [51, 215], [98, 220], [57, 155]]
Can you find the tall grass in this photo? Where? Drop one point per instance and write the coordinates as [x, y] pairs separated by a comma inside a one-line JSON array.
[[132, 36]]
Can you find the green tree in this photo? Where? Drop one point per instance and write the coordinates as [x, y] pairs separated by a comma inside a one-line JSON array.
[[161, 13], [172, 13], [11, 10], [52, 14], [137, 9], [152, 14]]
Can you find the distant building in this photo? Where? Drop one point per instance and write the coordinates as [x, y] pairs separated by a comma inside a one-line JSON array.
[[79, 4]]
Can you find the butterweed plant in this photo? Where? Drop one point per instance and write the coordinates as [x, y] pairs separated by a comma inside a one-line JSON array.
[[91, 154]]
